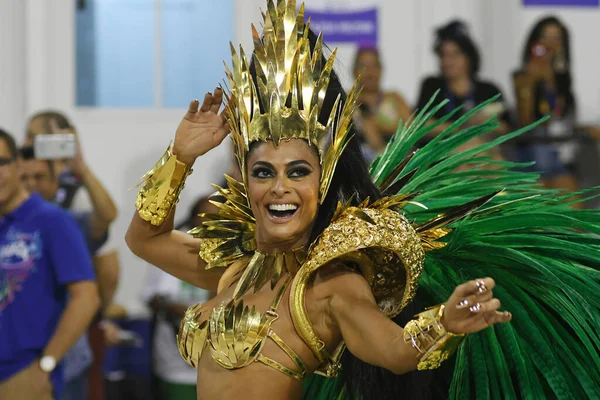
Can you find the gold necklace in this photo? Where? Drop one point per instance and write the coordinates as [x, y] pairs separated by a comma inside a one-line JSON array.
[[264, 267]]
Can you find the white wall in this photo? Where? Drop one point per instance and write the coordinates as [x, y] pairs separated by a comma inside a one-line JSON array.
[[37, 71], [12, 60]]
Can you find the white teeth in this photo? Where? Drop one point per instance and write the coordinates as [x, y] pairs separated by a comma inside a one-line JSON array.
[[283, 207]]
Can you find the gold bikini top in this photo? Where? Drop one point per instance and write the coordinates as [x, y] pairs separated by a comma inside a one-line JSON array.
[[235, 336]]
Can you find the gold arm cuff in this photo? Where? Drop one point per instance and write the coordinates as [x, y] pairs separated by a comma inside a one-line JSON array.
[[430, 338], [161, 188]]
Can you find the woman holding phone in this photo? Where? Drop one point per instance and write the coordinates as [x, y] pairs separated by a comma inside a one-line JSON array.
[[543, 87]]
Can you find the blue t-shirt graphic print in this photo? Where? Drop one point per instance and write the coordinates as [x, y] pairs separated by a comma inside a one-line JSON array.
[[17, 261]]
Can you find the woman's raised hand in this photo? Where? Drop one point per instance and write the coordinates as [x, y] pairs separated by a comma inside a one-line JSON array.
[[202, 128], [472, 307], [541, 70]]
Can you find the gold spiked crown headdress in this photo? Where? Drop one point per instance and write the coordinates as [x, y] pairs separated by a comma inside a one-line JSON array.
[[290, 86]]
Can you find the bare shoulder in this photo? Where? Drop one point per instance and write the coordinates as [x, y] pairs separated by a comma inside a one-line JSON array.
[[337, 280], [336, 287]]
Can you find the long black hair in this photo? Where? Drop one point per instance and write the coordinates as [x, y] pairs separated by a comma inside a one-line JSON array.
[[563, 78], [352, 183]]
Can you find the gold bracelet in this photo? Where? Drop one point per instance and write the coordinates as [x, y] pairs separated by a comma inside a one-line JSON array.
[[433, 342], [161, 188]]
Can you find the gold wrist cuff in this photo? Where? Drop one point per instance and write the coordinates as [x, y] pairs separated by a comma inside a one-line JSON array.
[[430, 338], [161, 188]]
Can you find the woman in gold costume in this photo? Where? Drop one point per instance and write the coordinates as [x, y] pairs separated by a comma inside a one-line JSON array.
[[292, 188], [315, 261]]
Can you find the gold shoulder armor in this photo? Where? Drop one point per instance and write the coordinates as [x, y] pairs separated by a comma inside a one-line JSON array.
[[389, 254]]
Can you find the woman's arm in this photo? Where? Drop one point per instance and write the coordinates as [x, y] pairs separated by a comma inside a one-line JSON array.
[[172, 251], [402, 108], [525, 82], [371, 132], [372, 128], [524, 88], [369, 335], [176, 253], [592, 130], [104, 210], [377, 340], [107, 269]]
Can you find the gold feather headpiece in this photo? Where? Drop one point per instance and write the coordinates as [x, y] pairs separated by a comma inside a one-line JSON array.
[[286, 99]]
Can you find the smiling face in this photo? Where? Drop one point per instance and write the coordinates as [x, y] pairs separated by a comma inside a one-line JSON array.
[[283, 190]]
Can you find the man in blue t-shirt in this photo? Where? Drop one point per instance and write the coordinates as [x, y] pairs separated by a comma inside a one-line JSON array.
[[47, 293], [39, 176]]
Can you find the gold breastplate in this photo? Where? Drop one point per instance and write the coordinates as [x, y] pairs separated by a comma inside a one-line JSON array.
[[235, 335]]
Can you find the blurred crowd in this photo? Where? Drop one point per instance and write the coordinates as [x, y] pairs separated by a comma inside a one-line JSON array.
[[63, 337], [542, 86]]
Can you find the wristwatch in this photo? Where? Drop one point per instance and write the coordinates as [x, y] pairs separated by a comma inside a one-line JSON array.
[[47, 363]]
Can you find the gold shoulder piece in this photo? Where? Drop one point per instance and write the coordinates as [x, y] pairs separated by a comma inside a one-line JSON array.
[[227, 236], [387, 251]]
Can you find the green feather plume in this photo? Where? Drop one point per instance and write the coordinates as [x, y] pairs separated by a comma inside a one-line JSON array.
[[543, 254]]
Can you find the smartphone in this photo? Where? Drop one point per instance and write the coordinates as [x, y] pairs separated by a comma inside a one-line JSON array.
[[54, 146], [538, 51]]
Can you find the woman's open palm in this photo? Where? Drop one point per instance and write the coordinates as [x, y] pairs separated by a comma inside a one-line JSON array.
[[202, 128]]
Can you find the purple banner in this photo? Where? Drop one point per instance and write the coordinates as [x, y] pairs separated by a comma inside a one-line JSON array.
[[571, 3], [358, 27]]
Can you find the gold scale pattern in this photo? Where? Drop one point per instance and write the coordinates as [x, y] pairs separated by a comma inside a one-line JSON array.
[[389, 255]]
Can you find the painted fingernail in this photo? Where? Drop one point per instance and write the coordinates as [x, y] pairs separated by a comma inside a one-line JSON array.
[[481, 286], [462, 304], [475, 308]]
